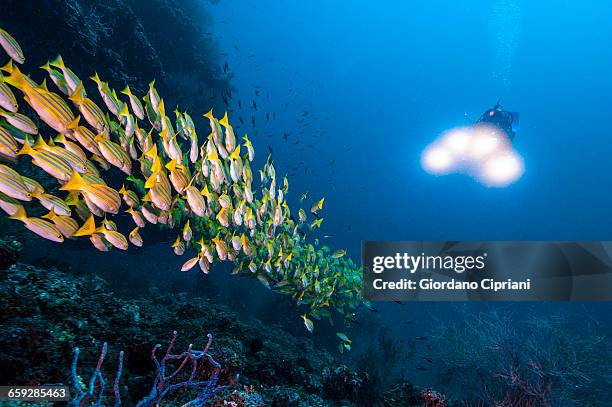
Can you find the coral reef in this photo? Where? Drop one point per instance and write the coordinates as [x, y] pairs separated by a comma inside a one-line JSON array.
[[537, 360], [194, 371], [128, 41], [45, 313], [9, 251]]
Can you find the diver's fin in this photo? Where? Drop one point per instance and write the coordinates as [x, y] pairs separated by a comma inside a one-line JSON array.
[[515, 121]]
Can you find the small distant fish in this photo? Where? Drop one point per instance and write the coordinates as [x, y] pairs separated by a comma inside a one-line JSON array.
[[308, 323], [369, 307]]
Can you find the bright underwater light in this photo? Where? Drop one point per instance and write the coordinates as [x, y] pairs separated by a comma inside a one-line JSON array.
[[482, 150], [502, 169], [457, 141], [437, 160], [484, 142]]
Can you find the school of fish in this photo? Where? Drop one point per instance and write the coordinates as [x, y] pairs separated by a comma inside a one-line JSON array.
[[203, 189]]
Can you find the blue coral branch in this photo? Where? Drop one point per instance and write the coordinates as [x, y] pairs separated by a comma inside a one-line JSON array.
[[163, 384]]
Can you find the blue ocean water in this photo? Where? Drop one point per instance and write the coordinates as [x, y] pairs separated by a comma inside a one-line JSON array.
[[345, 96], [391, 76], [368, 85]]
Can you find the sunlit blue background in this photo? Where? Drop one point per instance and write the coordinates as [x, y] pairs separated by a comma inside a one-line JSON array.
[[396, 74], [390, 76]]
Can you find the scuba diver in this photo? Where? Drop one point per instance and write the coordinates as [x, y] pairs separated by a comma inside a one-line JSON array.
[[502, 119]]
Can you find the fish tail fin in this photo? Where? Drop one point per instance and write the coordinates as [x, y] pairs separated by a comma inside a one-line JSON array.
[[171, 165], [60, 138], [58, 62], [209, 115], [26, 149], [75, 123], [224, 121], [8, 67], [16, 78], [152, 153], [51, 215], [20, 214], [76, 183], [127, 91], [124, 110], [40, 143], [77, 95], [150, 183], [46, 67], [96, 78], [156, 167], [72, 198], [88, 228], [236, 154]]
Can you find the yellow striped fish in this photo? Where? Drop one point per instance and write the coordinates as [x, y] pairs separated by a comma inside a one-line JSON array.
[[154, 98], [135, 237], [8, 204], [12, 184], [196, 201], [48, 162], [11, 47], [49, 106], [7, 97], [20, 122], [114, 154], [8, 144], [84, 136], [178, 176], [134, 103], [74, 160], [130, 197], [112, 236], [33, 186], [103, 196], [90, 111], [72, 147], [65, 224], [137, 217], [93, 208], [127, 120], [53, 203], [112, 104], [158, 184], [71, 79], [58, 79], [92, 178], [96, 238], [39, 226]]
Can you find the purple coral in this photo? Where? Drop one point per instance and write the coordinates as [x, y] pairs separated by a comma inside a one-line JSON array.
[[86, 394], [164, 383]]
